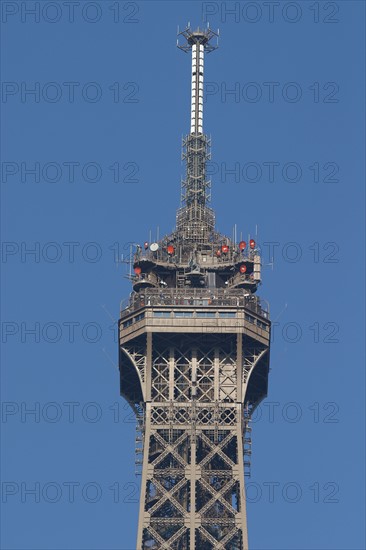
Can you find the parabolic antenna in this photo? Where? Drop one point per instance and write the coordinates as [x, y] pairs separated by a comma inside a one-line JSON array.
[[154, 247]]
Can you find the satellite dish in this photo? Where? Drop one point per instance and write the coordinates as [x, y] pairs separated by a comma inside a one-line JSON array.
[[154, 247]]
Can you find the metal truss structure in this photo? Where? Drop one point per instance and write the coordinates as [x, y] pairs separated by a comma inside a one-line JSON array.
[[194, 360]]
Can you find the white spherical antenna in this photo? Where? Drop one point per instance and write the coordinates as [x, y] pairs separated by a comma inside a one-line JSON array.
[[154, 247]]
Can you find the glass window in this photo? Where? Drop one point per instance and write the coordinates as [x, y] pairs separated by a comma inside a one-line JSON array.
[[230, 314], [205, 314], [184, 313], [161, 313], [263, 326]]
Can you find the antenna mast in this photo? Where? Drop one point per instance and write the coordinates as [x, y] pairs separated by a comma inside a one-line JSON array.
[[195, 221]]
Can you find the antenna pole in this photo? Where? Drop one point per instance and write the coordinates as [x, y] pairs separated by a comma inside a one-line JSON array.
[[198, 42], [195, 221]]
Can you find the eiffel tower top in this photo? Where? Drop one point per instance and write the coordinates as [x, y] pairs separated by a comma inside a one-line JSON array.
[[195, 253]]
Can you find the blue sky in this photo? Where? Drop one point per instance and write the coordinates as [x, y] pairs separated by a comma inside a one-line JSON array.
[[102, 133]]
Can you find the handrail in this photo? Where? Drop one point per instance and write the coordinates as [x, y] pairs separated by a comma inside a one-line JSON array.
[[193, 297]]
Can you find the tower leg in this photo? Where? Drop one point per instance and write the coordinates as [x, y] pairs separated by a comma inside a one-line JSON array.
[[192, 494]]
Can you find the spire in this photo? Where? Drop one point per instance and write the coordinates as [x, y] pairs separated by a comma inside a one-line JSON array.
[[198, 42], [195, 220]]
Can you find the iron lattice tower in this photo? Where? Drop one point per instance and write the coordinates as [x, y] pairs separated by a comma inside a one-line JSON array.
[[194, 359]]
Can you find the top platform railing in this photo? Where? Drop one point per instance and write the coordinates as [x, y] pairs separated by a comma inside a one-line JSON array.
[[195, 297]]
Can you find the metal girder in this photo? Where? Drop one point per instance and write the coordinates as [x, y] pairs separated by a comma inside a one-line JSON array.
[[193, 475]]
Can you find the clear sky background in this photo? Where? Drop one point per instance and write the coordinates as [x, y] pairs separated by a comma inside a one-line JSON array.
[[307, 486]]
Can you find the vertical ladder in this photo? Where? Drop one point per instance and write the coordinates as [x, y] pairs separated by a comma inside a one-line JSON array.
[[247, 442], [180, 279], [139, 441]]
